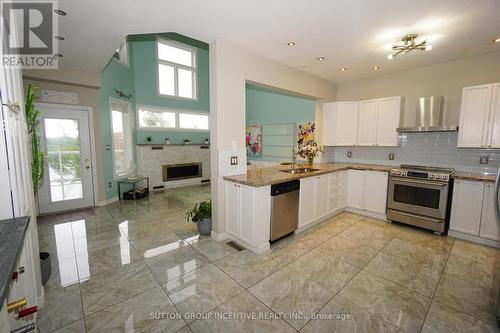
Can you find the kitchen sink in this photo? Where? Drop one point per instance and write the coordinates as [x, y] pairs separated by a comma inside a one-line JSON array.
[[299, 170]]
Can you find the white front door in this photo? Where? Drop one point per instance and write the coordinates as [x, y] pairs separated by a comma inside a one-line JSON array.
[[65, 138]]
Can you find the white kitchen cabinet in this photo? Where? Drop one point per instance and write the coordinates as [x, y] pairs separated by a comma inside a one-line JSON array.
[[248, 215], [354, 197], [367, 123], [467, 206], [340, 123], [480, 117], [375, 191], [314, 198], [489, 220], [337, 192], [389, 112]]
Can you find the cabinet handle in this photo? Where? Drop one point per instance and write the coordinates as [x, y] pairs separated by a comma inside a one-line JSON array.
[[27, 312], [14, 306]]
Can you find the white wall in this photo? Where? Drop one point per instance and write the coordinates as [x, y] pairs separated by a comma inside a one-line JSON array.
[[230, 68], [445, 79]]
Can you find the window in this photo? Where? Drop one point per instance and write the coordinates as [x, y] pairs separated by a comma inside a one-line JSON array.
[[193, 121], [121, 137], [150, 118], [154, 118], [176, 69]]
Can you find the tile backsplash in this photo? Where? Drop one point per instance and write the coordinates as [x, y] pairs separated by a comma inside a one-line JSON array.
[[434, 149]]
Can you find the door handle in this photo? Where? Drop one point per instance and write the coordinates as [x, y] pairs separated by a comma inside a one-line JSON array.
[[87, 163]]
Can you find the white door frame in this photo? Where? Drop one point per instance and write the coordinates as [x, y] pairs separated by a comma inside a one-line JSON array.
[[92, 137]]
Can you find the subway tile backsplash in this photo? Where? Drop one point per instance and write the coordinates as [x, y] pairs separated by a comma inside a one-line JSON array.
[[434, 149]]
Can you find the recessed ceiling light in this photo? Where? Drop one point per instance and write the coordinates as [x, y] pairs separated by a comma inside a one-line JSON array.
[[321, 58], [291, 43], [496, 40], [428, 47], [60, 12], [343, 69], [390, 56], [59, 37], [375, 68]]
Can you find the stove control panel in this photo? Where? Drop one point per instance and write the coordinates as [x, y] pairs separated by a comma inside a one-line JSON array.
[[420, 174]]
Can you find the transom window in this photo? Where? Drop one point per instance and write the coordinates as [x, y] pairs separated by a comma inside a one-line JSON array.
[[154, 118], [176, 69]]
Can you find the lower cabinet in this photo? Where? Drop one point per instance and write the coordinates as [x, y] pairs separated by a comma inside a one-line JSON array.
[[320, 196], [367, 190], [248, 212], [473, 209]]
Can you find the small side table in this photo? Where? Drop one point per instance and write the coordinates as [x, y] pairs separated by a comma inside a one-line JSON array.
[[134, 183]]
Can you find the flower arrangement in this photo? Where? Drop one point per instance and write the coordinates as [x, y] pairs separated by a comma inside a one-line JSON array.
[[310, 151]]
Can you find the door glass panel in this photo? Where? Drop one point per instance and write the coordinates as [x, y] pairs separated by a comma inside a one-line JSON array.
[[418, 196], [63, 158]]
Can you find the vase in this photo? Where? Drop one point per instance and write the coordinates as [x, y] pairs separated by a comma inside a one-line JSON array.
[[205, 226], [310, 160]]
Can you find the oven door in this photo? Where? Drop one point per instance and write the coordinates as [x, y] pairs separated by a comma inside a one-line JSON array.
[[417, 196]]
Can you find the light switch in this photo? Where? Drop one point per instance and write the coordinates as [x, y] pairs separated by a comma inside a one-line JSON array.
[[234, 160]]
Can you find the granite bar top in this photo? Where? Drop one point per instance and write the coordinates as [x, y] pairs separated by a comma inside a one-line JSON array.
[[12, 233], [482, 177], [257, 177]]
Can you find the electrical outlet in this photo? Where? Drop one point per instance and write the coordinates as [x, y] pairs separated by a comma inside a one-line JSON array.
[[110, 184], [391, 156], [349, 154], [484, 159], [234, 160]]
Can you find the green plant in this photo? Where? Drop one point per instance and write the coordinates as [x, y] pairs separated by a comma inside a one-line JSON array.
[[202, 210], [38, 158]]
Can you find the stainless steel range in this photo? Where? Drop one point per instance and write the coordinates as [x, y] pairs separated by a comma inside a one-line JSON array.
[[420, 196]]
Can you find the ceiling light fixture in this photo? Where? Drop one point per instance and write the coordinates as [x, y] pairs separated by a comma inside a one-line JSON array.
[[291, 43], [496, 40], [60, 12], [343, 69], [59, 37], [321, 59], [409, 44], [375, 68]]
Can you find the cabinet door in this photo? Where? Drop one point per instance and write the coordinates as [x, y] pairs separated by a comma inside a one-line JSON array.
[[246, 214], [474, 113], [389, 111], [494, 136], [322, 196], [307, 201], [328, 133], [467, 207], [355, 180], [345, 126], [489, 221], [375, 191], [367, 123], [232, 209]]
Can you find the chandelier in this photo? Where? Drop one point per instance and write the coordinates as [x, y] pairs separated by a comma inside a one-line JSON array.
[[409, 44]]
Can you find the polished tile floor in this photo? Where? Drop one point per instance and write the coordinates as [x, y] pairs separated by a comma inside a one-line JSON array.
[[140, 267]]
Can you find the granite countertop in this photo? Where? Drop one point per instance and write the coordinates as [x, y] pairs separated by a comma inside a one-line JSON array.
[[258, 177], [483, 177], [12, 233]]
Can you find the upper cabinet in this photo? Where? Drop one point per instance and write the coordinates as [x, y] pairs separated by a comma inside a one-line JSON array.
[[340, 123], [480, 117], [366, 123]]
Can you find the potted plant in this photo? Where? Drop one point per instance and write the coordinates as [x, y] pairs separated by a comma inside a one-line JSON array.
[[310, 151], [201, 214]]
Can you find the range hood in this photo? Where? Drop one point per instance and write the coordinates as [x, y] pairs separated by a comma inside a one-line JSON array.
[[431, 117]]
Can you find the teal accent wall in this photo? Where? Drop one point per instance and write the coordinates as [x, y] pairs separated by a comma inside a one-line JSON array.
[[264, 107], [143, 50], [140, 80]]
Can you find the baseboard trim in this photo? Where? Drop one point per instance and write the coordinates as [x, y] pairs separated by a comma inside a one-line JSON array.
[[374, 215], [107, 202], [219, 237], [474, 239], [312, 224]]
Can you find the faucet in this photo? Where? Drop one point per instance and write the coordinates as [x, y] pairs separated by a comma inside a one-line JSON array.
[[294, 159]]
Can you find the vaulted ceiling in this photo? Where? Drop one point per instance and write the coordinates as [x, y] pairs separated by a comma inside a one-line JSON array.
[[354, 34]]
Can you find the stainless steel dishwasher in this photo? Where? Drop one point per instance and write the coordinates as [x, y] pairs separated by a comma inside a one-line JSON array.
[[284, 208]]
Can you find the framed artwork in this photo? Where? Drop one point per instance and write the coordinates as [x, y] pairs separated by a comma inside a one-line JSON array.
[[305, 134], [253, 139]]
